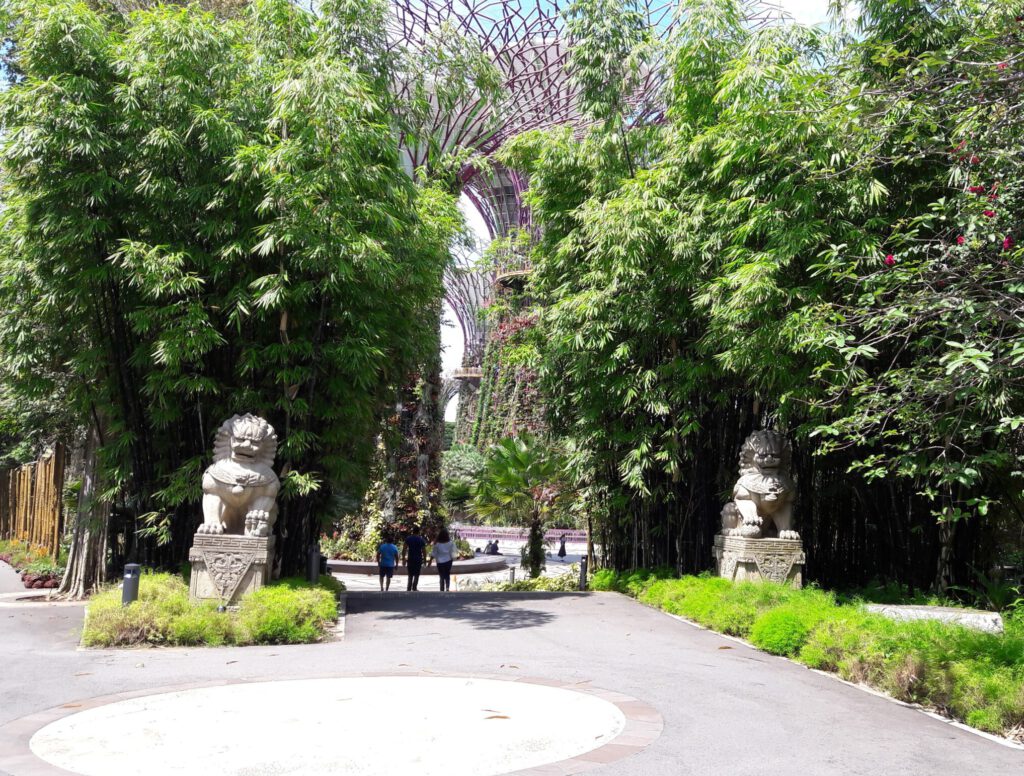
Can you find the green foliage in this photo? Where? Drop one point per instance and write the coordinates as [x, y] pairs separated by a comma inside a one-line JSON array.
[[22, 555], [461, 465], [562, 583], [633, 583], [209, 214], [737, 258], [780, 631], [291, 612], [973, 676], [286, 612], [520, 481]]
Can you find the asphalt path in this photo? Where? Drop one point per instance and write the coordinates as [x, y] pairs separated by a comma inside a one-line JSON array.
[[727, 708], [10, 580]]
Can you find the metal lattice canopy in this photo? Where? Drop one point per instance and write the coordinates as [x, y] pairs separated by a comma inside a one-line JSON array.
[[467, 289], [526, 42]]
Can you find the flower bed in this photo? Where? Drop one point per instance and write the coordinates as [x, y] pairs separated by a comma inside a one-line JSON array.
[[974, 677], [37, 569]]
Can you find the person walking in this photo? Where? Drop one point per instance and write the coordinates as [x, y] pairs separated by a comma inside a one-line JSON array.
[[561, 548], [444, 556], [412, 556], [387, 559]]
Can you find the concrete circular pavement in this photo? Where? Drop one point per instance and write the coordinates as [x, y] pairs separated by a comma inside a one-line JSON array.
[[336, 726]]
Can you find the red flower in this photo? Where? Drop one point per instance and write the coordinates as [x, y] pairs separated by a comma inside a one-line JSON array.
[[890, 260], [975, 160], [961, 240], [977, 189], [1007, 243], [988, 213], [1001, 66]]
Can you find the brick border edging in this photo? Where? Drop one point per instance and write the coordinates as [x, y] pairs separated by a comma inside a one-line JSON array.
[[644, 724]]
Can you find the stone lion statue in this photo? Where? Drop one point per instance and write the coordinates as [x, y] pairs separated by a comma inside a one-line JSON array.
[[762, 504], [240, 488]]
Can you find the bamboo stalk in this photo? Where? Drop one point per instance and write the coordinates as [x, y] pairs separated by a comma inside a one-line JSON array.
[[30, 501]]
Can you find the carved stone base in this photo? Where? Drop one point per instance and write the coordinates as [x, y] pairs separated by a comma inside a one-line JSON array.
[[225, 568], [760, 560]]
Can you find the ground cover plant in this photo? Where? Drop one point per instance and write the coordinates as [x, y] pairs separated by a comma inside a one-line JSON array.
[[290, 611], [971, 676], [562, 583]]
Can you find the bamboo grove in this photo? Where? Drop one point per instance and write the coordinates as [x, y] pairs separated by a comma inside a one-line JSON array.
[[207, 211], [819, 235], [207, 214]]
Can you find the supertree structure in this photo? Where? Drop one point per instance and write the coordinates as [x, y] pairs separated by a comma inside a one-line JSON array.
[[527, 46], [526, 43], [468, 290]]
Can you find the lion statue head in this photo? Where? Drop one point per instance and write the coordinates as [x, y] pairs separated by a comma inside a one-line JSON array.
[[765, 452], [246, 439]]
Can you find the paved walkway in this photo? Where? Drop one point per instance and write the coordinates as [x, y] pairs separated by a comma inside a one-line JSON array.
[[726, 708], [10, 580], [462, 582]]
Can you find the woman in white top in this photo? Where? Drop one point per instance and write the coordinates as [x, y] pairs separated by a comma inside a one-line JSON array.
[[444, 554]]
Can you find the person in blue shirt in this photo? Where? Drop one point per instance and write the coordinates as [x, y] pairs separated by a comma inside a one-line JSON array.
[[387, 559], [412, 554]]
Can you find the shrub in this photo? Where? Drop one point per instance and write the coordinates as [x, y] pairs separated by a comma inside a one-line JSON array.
[[20, 554], [287, 612], [780, 631], [38, 569], [460, 468], [290, 613], [563, 583]]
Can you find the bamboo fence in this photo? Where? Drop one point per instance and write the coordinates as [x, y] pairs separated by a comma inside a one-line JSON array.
[[30, 501]]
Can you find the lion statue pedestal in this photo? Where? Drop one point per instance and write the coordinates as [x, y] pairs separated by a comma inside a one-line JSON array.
[[227, 567], [757, 542], [233, 551], [760, 560]]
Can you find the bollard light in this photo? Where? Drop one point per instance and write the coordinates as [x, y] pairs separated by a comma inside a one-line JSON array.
[[130, 588], [583, 574], [511, 576]]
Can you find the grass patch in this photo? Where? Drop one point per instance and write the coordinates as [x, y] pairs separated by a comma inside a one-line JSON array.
[[290, 611], [972, 676]]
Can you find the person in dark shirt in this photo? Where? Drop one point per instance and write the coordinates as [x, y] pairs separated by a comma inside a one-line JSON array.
[[412, 555]]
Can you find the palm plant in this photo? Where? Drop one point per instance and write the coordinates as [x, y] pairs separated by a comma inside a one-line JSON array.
[[520, 484]]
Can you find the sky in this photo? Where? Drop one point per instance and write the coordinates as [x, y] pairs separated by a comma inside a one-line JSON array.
[[802, 11]]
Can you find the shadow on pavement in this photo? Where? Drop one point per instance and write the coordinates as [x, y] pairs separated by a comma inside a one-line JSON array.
[[496, 611]]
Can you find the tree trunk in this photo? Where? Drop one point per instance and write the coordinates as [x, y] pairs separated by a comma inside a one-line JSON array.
[[87, 561], [944, 573]]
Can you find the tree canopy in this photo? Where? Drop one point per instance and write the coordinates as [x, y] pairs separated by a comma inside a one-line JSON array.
[[204, 215], [820, 236]]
